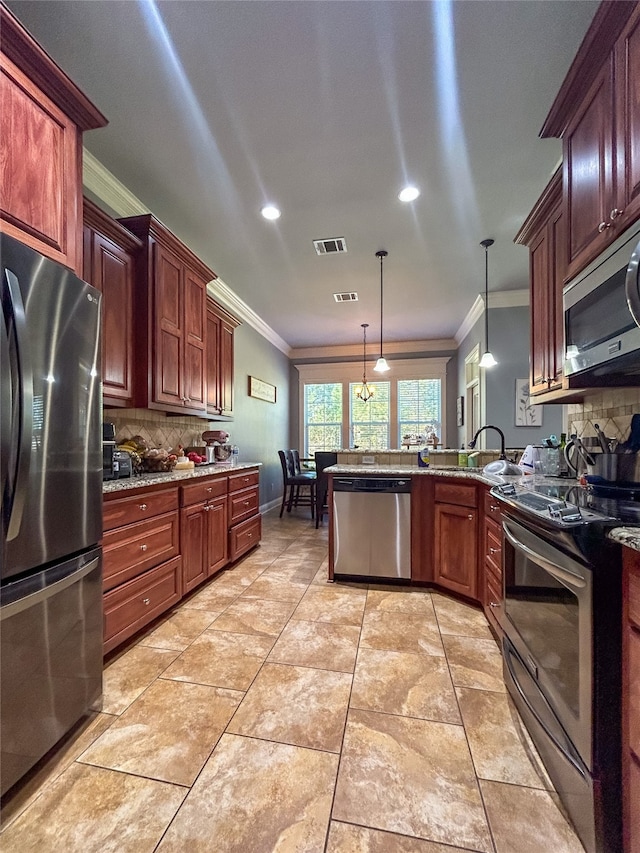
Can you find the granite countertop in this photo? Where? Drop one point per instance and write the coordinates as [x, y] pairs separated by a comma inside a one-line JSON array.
[[129, 483], [628, 536], [414, 471]]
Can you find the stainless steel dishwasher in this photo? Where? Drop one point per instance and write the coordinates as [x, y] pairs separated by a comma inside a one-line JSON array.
[[372, 526]]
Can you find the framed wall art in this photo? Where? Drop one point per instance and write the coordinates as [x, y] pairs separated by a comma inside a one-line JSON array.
[[262, 390]]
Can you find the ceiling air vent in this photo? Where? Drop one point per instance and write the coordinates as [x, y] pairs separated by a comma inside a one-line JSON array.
[[332, 246], [346, 297]]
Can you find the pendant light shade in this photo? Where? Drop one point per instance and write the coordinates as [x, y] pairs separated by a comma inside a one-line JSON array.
[[364, 392], [487, 359], [381, 365]]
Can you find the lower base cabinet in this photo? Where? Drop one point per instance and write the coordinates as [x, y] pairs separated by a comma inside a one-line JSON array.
[[491, 569], [161, 544], [132, 605], [631, 700], [456, 537]]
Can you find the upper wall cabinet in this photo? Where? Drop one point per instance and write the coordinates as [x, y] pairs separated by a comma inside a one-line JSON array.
[[42, 119], [110, 254], [543, 233], [220, 331], [171, 317], [597, 114]]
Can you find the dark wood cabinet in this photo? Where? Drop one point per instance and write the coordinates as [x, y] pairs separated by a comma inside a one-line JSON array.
[[220, 358], [631, 700], [456, 537], [597, 115], [142, 575], [42, 119], [203, 530], [110, 253], [491, 569], [589, 159], [171, 371], [543, 233]]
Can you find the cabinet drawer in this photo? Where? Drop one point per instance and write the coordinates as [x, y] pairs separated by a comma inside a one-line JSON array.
[[129, 551], [456, 493], [244, 536], [243, 479], [243, 505], [210, 488], [134, 508], [134, 604], [493, 590], [491, 508], [634, 596], [493, 553]]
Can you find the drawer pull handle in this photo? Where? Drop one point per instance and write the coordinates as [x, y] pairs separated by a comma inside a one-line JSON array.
[[493, 508], [494, 604], [142, 507], [470, 517], [143, 547], [146, 601], [493, 550], [603, 226], [246, 503], [209, 489]]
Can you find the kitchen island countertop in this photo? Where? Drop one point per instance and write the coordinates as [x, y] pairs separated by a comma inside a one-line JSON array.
[[628, 536], [129, 483]]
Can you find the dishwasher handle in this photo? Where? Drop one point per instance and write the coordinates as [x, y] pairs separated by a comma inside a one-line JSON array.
[[387, 485]]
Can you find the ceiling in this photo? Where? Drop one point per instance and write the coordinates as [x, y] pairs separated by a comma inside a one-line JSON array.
[[327, 109]]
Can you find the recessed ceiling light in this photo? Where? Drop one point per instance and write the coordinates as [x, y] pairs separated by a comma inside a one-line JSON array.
[[270, 212], [409, 194]]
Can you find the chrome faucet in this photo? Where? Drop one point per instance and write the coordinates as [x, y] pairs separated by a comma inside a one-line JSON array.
[[473, 441]]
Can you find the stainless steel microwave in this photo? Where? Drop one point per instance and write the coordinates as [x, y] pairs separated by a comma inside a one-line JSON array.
[[602, 317]]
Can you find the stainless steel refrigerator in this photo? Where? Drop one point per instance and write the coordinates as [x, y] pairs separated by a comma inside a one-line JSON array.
[[51, 493]]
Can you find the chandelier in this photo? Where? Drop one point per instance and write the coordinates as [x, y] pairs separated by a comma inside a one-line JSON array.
[[364, 392]]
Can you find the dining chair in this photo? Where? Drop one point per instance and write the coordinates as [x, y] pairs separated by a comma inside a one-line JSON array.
[[324, 459], [294, 479]]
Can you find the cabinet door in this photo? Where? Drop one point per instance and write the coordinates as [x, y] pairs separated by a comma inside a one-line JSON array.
[[226, 369], [217, 524], [169, 277], [541, 326], [557, 241], [628, 110], [213, 363], [589, 173], [112, 273], [40, 152], [194, 332], [456, 548], [194, 531]]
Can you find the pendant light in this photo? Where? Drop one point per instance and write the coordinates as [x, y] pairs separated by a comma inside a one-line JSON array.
[[381, 365], [364, 392], [487, 359]]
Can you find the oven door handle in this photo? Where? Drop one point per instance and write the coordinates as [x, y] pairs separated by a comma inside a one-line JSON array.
[[563, 575]]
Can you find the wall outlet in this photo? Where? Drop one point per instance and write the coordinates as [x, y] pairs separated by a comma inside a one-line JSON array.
[[368, 460]]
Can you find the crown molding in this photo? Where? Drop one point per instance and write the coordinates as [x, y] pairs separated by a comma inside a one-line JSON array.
[[499, 299], [107, 187], [100, 181]]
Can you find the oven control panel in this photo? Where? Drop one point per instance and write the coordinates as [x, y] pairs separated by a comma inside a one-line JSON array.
[[554, 509]]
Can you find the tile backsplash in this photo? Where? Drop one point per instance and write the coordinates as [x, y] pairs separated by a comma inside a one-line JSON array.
[[611, 408], [159, 429]]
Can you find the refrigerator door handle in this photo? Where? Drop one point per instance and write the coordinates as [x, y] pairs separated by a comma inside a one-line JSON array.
[[5, 407], [25, 371], [46, 592]]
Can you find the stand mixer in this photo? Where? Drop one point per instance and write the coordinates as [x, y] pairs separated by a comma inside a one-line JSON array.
[[216, 444]]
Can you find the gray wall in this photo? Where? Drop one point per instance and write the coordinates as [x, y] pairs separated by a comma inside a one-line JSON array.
[[260, 429], [509, 342]]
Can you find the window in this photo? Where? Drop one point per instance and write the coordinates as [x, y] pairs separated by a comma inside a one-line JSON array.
[[412, 401], [323, 417], [419, 407], [370, 420]]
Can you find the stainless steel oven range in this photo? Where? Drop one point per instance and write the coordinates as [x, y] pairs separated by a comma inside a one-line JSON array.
[[561, 616]]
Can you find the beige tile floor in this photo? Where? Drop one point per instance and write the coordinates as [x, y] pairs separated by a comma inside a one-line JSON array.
[[272, 711]]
